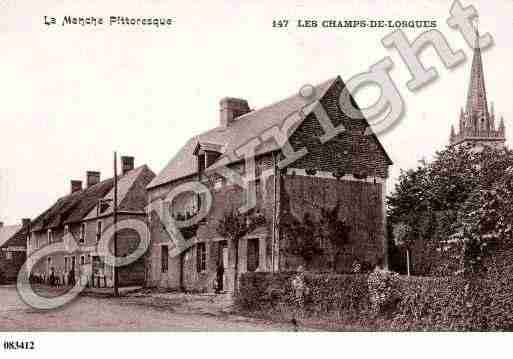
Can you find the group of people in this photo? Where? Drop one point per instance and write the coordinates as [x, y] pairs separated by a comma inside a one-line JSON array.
[[54, 279]]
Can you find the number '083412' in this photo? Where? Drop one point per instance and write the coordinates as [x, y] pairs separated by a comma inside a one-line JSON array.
[[16, 345]]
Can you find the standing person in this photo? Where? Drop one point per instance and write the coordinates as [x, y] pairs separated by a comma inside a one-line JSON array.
[[52, 276], [71, 279]]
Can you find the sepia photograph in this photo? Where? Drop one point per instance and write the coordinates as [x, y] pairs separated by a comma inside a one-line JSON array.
[[339, 171]]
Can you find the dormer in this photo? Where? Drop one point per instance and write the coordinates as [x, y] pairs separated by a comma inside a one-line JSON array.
[[206, 154]]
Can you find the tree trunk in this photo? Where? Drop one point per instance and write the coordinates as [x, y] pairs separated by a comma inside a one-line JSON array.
[[408, 261]]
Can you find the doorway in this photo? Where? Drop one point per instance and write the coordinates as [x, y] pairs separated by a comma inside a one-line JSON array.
[[222, 266]]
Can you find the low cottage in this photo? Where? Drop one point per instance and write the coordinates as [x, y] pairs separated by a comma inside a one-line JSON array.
[[13, 249], [86, 214]]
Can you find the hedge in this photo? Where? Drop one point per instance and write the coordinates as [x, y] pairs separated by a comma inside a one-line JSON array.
[[271, 294], [409, 303]]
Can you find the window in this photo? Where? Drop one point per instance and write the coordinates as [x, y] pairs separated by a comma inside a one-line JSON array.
[[201, 163], [253, 254], [82, 233], [82, 260], [98, 231], [48, 264], [89, 258], [8, 255], [66, 264], [36, 239], [66, 229], [49, 235], [201, 257], [164, 258]]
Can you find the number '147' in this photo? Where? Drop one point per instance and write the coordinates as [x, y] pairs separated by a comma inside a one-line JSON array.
[[280, 23]]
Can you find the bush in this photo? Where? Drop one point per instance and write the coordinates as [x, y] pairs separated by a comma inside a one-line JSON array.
[[383, 291], [385, 301], [271, 294]]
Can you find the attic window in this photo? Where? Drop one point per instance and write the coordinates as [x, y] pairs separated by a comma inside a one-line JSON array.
[[211, 157], [206, 154], [201, 162], [104, 205], [49, 236]]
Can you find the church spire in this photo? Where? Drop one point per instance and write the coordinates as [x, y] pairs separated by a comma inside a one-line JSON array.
[[476, 124], [477, 105]]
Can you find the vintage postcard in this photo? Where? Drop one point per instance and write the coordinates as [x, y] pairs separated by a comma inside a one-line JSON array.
[[226, 166]]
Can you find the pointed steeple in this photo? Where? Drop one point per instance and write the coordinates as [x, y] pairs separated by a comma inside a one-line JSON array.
[[477, 105], [476, 124]]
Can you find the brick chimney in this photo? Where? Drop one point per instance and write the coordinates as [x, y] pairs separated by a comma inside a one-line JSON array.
[[127, 164], [25, 222], [93, 177], [76, 186], [231, 108]]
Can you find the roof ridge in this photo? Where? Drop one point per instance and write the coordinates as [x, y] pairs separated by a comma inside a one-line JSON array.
[[231, 137], [291, 97]]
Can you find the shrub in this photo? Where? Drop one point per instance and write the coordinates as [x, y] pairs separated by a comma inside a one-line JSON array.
[[271, 294], [386, 301], [383, 291]]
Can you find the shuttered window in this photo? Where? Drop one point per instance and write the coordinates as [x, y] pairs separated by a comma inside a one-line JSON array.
[[201, 257], [165, 259], [253, 254]]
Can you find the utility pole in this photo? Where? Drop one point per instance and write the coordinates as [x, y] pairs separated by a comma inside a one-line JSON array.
[[115, 268]]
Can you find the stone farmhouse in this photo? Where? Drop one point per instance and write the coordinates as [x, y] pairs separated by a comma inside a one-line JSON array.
[[348, 172]]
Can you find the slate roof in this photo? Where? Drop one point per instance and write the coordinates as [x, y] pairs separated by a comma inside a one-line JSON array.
[[7, 233], [81, 205], [239, 132], [131, 193]]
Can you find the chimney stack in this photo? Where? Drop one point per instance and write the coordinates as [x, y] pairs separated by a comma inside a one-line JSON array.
[[76, 186], [25, 222], [127, 164], [231, 108], [93, 177]]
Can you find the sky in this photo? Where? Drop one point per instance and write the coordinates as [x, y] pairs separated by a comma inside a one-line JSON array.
[[70, 96]]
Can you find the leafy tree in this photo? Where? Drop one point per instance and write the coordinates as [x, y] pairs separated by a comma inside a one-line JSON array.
[[463, 196], [234, 226], [336, 232]]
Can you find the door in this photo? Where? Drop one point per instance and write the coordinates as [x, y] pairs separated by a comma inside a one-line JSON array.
[[223, 263]]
